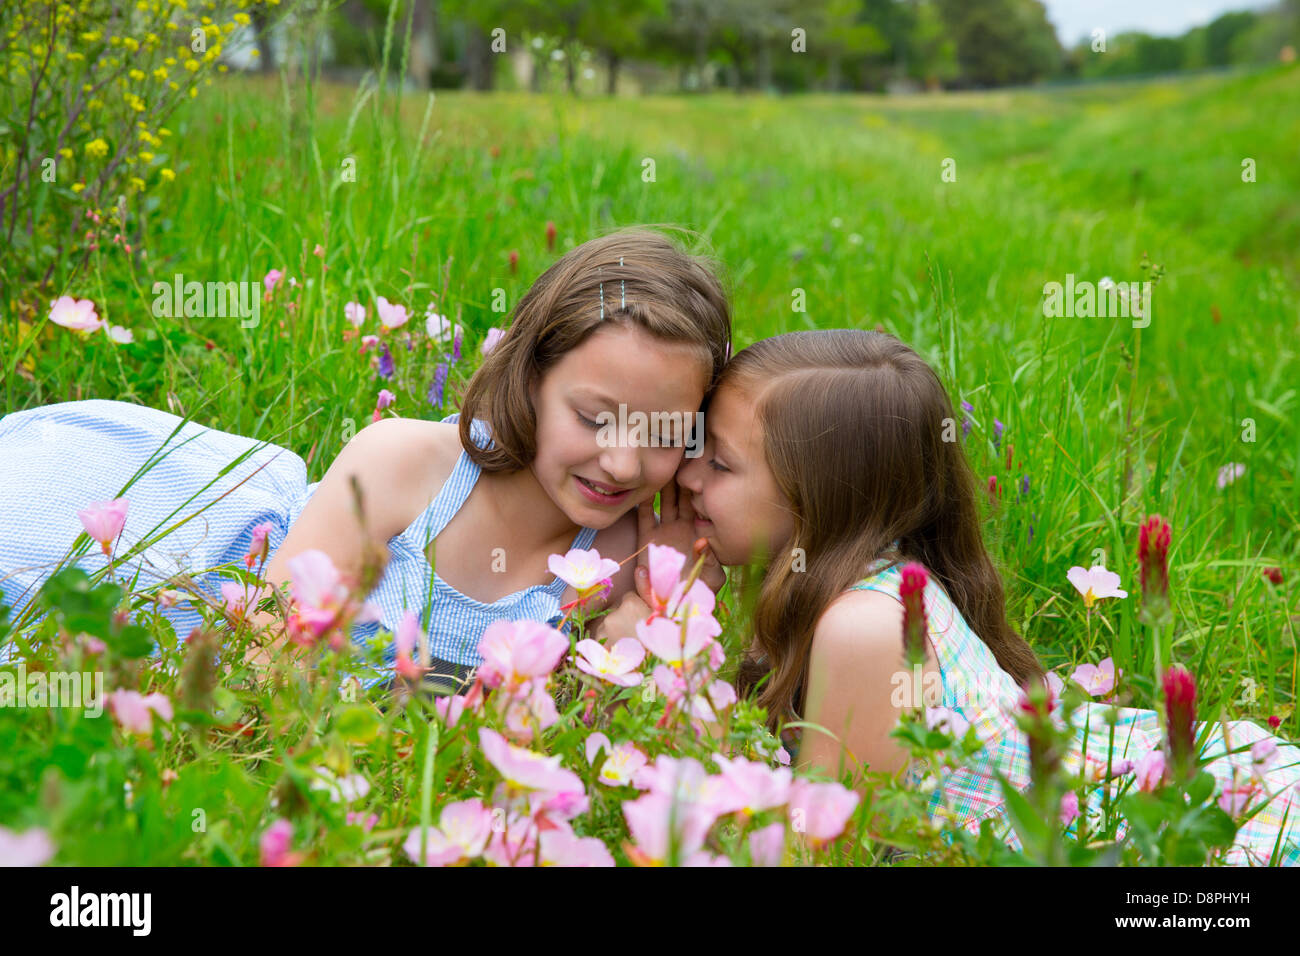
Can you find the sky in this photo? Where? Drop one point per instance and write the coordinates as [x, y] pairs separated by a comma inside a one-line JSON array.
[[1075, 19]]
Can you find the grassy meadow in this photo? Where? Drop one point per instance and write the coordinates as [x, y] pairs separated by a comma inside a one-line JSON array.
[[842, 197]]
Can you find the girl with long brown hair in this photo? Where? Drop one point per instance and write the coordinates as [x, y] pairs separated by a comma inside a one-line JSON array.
[[831, 459]]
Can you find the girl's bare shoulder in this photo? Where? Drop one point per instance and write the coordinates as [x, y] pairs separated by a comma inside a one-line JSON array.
[[415, 458]]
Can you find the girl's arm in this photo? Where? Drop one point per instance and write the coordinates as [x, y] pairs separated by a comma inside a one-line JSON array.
[[392, 462], [854, 670]]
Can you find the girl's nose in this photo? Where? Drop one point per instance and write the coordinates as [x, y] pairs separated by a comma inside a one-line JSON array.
[[622, 464], [689, 474]]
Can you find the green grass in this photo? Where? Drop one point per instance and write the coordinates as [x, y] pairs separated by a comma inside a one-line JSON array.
[[841, 197]]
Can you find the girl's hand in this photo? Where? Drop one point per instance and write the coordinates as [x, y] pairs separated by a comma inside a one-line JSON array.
[[621, 622], [674, 527]]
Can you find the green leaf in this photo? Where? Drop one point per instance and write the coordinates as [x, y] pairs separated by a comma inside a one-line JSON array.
[[358, 724]]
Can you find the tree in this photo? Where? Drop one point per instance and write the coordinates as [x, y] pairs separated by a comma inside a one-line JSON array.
[[1000, 42]]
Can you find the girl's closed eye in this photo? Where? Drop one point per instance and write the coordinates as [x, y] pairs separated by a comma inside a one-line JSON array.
[[717, 465], [594, 426]]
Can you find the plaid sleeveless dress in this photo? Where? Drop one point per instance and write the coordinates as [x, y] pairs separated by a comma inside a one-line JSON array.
[[195, 507], [986, 696]]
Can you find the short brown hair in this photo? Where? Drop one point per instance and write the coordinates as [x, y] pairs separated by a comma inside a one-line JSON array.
[[672, 294]]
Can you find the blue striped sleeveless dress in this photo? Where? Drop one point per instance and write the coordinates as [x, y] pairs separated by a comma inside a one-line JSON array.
[[975, 686], [194, 496]]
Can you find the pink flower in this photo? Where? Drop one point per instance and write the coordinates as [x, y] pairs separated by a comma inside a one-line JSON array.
[[617, 666], [912, 593], [355, 313], [514, 843], [1180, 718], [717, 696], [319, 250], [439, 327], [1230, 473], [1094, 584], [529, 708], [120, 335], [820, 810], [239, 599], [462, 833], [134, 711], [322, 600], [562, 847], [76, 314], [946, 720], [1150, 771], [694, 604], [1069, 807], [391, 315], [663, 638], [409, 635], [366, 822], [1096, 679], [524, 769], [103, 521], [274, 846], [686, 791], [1234, 800], [29, 848], [584, 571], [518, 651], [368, 341], [767, 845], [491, 341], [384, 399], [657, 825], [346, 789], [665, 567], [258, 548], [271, 279], [749, 787], [621, 762], [1262, 753], [450, 708]]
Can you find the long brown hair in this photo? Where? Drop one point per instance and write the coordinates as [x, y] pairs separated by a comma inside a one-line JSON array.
[[629, 277], [860, 437]]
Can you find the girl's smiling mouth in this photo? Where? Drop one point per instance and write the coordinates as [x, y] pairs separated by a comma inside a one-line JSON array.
[[601, 493]]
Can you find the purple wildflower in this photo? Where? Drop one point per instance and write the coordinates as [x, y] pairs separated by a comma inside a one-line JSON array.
[[455, 345], [997, 433], [386, 367], [1024, 485], [439, 382]]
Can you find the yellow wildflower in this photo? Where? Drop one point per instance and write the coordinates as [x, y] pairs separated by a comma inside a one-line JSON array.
[[78, 187], [192, 65], [137, 182], [97, 147], [131, 43], [167, 174], [90, 36], [160, 74], [242, 19], [136, 75], [66, 153], [147, 157]]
